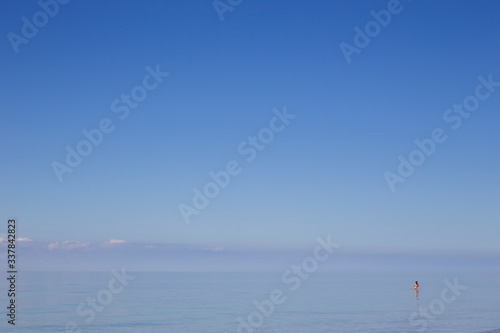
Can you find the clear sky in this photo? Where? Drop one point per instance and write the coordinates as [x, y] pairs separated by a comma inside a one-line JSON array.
[[323, 173]]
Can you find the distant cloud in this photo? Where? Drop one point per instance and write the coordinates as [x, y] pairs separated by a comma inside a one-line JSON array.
[[218, 248], [68, 245], [22, 239], [53, 245], [115, 241]]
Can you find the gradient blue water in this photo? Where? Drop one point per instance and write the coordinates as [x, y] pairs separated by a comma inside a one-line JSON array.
[[211, 302]]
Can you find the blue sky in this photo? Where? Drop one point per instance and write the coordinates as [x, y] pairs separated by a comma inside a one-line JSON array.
[[323, 174]]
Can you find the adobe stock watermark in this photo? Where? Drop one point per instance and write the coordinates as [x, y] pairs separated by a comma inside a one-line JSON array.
[[292, 277], [437, 306], [249, 148], [29, 29], [87, 310], [222, 6], [454, 117], [372, 29], [121, 106]]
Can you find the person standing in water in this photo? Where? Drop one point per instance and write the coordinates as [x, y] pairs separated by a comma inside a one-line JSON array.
[[416, 288]]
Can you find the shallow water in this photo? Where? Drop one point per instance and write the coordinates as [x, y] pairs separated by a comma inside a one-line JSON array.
[[212, 302]]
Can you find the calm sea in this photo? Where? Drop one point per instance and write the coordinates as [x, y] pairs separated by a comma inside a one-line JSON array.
[[213, 302]]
